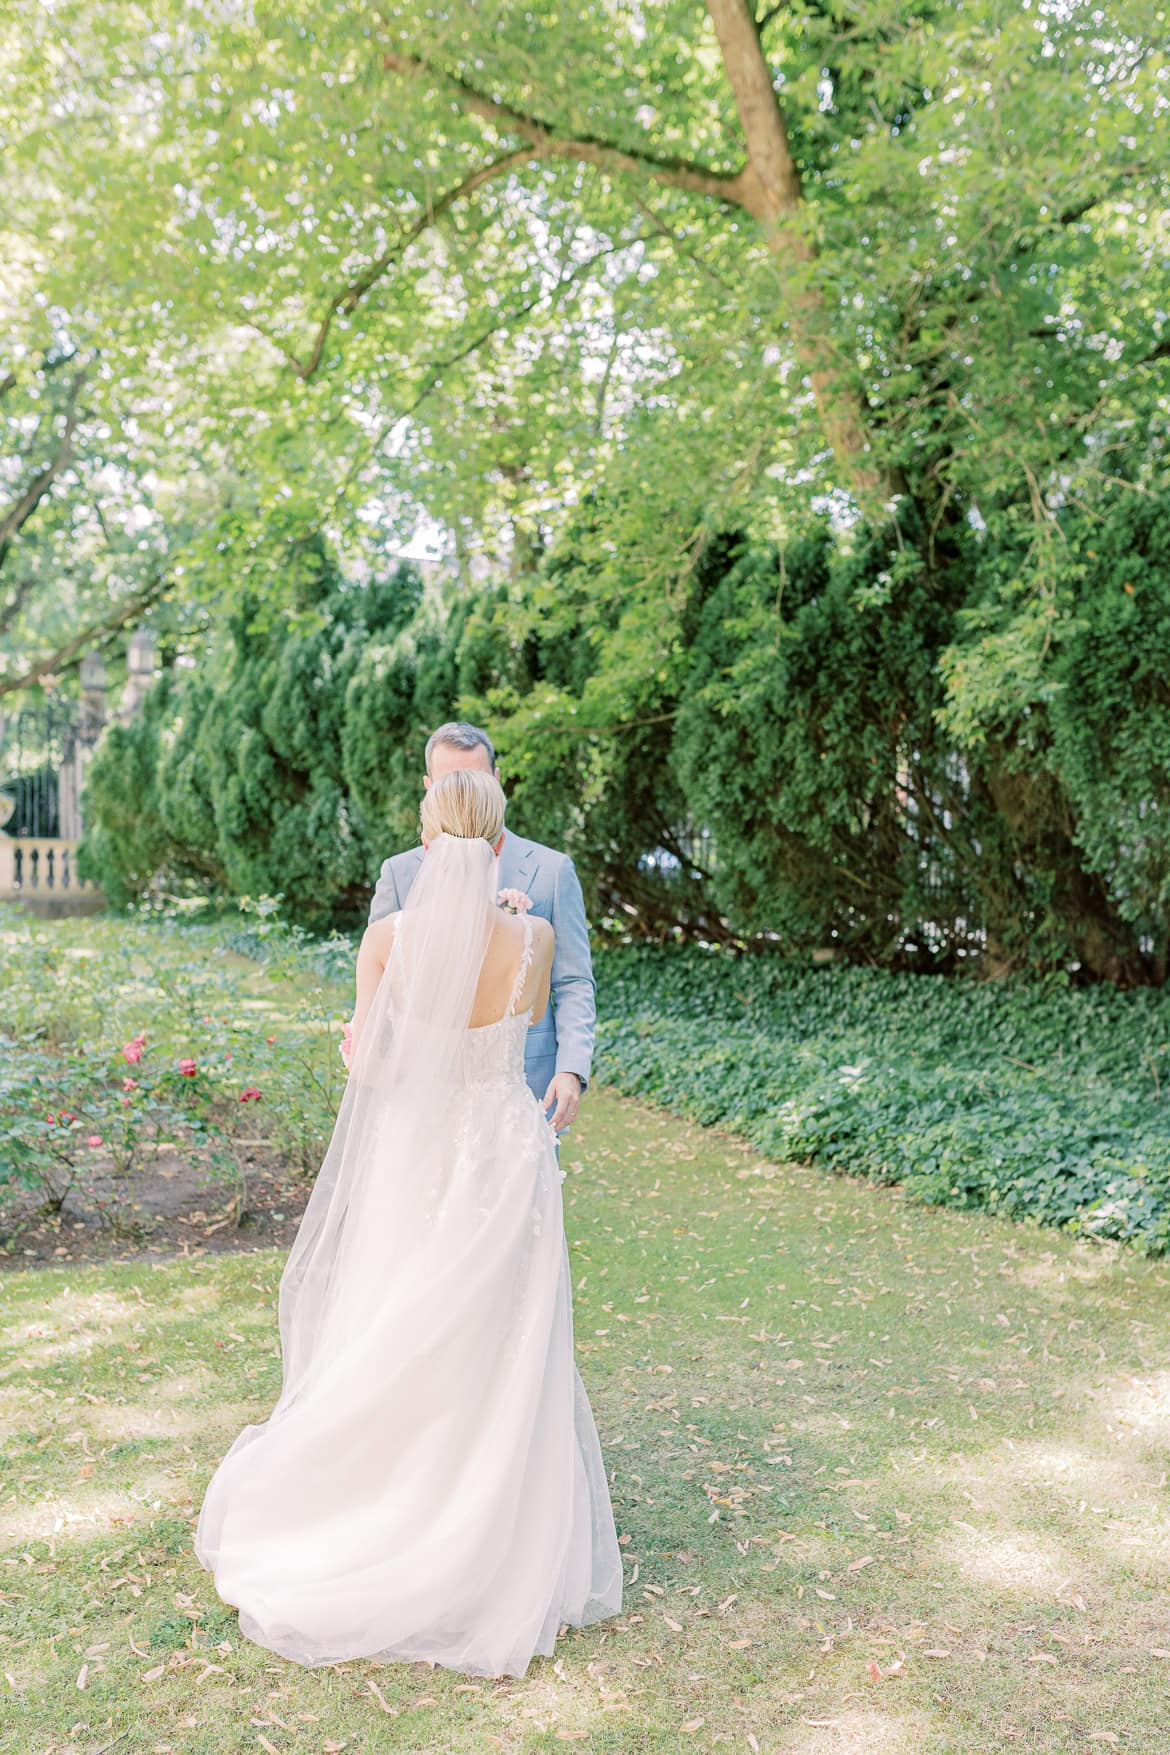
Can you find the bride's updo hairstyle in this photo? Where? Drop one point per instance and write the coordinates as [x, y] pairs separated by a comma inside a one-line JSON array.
[[468, 802]]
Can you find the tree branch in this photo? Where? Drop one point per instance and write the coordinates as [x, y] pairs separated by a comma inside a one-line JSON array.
[[548, 142], [680, 245], [351, 296], [22, 508], [1070, 215], [434, 373], [95, 635]]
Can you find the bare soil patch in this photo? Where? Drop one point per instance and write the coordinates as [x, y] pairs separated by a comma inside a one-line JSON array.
[[172, 1207]]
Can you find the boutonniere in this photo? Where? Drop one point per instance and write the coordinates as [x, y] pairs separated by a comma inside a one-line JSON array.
[[515, 901]]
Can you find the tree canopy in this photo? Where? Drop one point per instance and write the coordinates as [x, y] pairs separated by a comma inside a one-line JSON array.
[[276, 274]]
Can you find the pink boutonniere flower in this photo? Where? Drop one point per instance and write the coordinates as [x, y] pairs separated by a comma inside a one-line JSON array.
[[515, 901], [345, 1048]]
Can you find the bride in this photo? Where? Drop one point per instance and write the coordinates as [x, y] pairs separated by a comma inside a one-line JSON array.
[[429, 1485]]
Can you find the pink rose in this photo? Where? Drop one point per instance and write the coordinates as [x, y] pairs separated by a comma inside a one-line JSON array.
[[94, 1139], [188, 1068], [132, 1050], [129, 1084], [50, 1116], [345, 1048], [251, 1095], [515, 901]]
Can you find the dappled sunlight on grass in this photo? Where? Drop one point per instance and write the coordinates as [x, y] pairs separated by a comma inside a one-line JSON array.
[[1076, 1266], [840, 1441], [854, 1731], [82, 1513], [1011, 1562], [80, 1313], [1102, 1479], [121, 1423], [1140, 1404]]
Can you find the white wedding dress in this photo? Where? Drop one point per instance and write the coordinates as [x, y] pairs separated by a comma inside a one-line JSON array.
[[430, 1485]]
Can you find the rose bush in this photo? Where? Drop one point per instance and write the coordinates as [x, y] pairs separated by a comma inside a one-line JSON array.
[[122, 1038]]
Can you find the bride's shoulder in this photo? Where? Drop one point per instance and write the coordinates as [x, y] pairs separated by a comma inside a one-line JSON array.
[[543, 936], [514, 928]]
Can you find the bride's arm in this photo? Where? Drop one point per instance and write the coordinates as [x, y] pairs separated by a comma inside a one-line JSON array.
[[373, 955]]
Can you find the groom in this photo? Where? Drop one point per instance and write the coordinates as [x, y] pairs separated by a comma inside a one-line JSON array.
[[559, 1049]]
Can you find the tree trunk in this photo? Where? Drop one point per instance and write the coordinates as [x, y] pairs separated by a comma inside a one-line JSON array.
[[770, 190], [1034, 809]]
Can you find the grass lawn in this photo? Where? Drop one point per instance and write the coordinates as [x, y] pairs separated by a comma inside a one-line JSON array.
[[887, 1479]]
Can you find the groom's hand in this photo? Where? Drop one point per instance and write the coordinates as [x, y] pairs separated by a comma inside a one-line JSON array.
[[565, 1091]]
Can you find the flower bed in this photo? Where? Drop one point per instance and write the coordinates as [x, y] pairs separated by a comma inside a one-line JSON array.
[[128, 1041]]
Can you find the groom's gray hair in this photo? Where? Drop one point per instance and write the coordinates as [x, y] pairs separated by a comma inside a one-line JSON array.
[[462, 736]]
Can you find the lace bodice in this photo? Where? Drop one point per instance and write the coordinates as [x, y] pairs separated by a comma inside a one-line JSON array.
[[493, 1054]]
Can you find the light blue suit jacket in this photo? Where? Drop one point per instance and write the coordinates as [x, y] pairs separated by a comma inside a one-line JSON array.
[[563, 1039]]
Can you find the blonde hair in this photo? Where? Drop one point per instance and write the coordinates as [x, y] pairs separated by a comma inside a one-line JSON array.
[[465, 801]]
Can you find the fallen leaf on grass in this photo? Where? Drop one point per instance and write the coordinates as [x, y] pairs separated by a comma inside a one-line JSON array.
[[692, 1725], [856, 1565], [377, 1693], [1104, 1737], [675, 1626], [937, 1651], [153, 1675]]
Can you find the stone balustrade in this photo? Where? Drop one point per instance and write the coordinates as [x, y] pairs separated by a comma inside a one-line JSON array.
[[34, 868]]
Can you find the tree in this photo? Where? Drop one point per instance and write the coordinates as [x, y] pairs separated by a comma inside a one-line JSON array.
[[234, 778], [418, 236], [339, 269]]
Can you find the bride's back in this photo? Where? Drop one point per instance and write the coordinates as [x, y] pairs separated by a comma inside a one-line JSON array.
[[502, 967]]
